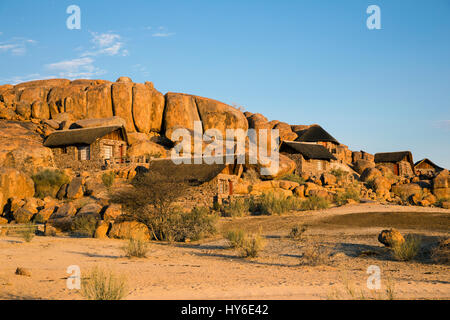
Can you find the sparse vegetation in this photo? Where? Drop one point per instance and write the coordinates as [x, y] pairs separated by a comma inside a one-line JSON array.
[[83, 226], [48, 182], [193, 225], [351, 192], [235, 238], [298, 231], [252, 245], [151, 200], [339, 174], [315, 256], [27, 232], [314, 203], [135, 248], [271, 203], [108, 179], [236, 208], [407, 250], [103, 285], [294, 178]]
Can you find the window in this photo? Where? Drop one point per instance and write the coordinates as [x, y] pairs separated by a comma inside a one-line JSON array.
[[84, 153]]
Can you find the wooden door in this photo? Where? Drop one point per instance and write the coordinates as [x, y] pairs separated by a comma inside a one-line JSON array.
[[396, 169]]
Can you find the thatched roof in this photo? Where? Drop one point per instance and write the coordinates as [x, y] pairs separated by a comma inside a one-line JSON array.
[[307, 150], [198, 173], [80, 136], [426, 160], [316, 134], [394, 157]]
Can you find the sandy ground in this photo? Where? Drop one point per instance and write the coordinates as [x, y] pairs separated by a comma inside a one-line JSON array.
[[209, 270]]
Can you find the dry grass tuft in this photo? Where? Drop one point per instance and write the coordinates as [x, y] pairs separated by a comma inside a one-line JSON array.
[[103, 285], [407, 250], [136, 248], [315, 256]]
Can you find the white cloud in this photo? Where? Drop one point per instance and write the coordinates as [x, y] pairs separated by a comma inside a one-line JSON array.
[[163, 32], [106, 44], [29, 77], [443, 124], [16, 46], [75, 68]]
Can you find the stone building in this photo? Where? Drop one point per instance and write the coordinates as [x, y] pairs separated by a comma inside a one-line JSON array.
[[316, 134], [426, 167], [97, 144], [211, 182], [310, 158], [400, 163]]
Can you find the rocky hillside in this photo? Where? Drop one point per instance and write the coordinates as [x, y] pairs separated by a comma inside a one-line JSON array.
[[144, 109]]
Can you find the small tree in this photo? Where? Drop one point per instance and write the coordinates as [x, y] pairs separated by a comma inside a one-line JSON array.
[[150, 199]]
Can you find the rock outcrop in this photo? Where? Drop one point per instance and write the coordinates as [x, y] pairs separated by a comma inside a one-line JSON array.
[[14, 183]]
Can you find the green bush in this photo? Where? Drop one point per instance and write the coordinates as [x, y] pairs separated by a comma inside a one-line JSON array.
[[83, 226], [194, 225], [103, 285], [341, 198], [108, 179], [294, 178], [48, 182], [236, 208], [136, 248], [339, 173], [271, 203], [28, 232], [314, 203], [251, 246], [235, 238], [407, 250]]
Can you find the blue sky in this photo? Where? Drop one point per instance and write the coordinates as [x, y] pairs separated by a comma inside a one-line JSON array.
[[297, 61]]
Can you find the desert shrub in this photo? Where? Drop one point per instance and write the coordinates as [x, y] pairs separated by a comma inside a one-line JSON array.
[[407, 250], [251, 176], [252, 245], [314, 203], [352, 192], [297, 231], [294, 178], [103, 285], [108, 179], [236, 208], [27, 232], [441, 253], [193, 225], [83, 226], [271, 203], [339, 174], [151, 199], [315, 256], [137, 248], [48, 182], [235, 238]]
